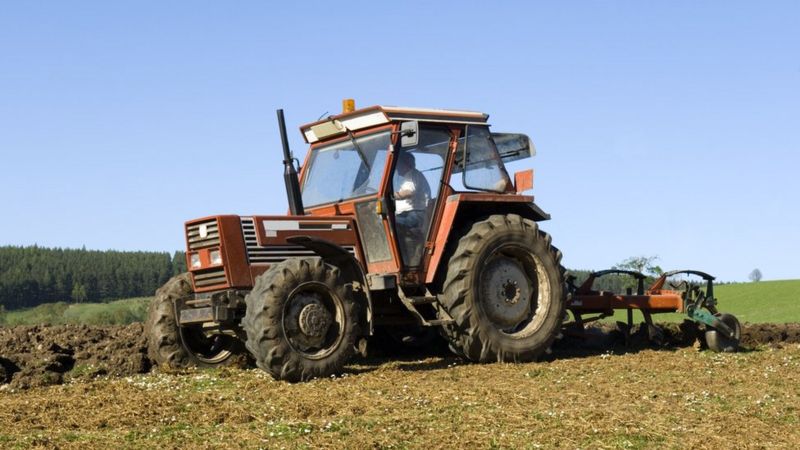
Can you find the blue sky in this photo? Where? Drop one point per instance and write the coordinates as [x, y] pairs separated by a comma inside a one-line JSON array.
[[667, 129]]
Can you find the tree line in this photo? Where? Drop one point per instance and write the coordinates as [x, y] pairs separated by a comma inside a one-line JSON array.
[[30, 276]]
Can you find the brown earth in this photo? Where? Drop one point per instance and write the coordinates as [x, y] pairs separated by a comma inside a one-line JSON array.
[[606, 336], [33, 356], [638, 399]]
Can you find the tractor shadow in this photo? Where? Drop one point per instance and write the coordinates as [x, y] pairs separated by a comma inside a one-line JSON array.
[[594, 341], [388, 354], [616, 339]]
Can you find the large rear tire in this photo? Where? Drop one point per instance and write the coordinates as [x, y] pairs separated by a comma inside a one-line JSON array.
[[302, 321], [504, 290], [175, 347]]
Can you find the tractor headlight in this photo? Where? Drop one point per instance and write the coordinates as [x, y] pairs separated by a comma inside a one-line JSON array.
[[215, 257], [194, 260]]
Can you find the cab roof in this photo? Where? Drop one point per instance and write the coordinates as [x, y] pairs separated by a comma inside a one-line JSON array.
[[377, 115]]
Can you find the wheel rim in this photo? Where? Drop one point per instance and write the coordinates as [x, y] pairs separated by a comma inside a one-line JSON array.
[[207, 348], [514, 291], [313, 320]]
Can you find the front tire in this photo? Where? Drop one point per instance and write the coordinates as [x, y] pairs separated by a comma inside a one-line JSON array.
[[504, 290], [176, 347], [301, 320]]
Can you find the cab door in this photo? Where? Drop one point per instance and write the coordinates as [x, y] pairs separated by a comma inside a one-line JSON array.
[[415, 187], [394, 228]]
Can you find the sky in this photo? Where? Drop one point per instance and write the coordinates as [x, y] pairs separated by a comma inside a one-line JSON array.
[[666, 129]]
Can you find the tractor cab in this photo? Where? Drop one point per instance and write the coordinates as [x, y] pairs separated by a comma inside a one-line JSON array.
[[395, 169]]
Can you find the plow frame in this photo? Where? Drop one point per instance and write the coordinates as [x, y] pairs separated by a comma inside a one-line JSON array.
[[698, 304]]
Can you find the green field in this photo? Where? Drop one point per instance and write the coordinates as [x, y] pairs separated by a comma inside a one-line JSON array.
[[119, 312], [765, 301], [761, 302]]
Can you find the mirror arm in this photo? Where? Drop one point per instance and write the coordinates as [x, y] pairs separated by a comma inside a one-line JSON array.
[[402, 133]]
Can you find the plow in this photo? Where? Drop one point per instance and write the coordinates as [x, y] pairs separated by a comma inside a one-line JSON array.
[[695, 300]]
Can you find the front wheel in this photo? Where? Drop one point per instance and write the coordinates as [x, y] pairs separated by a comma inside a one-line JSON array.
[[302, 320], [504, 290], [176, 347]]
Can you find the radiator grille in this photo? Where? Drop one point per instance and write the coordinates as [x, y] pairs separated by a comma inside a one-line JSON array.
[[210, 277], [272, 254], [197, 240]]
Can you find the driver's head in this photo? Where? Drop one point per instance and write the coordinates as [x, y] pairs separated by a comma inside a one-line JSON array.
[[405, 162]]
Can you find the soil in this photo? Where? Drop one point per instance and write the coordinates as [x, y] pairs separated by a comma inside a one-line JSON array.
[[33, 356], [606, 337], [767, 333]]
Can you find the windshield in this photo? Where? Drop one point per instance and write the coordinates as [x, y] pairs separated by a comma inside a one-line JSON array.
[[343, 170]]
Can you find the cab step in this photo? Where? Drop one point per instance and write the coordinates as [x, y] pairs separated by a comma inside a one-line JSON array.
[[426, 300], [426, 308]]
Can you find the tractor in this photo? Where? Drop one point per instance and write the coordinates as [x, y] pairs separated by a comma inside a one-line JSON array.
[[401, 221]]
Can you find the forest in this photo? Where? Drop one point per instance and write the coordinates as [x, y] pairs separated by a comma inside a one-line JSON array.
[[30, 276]]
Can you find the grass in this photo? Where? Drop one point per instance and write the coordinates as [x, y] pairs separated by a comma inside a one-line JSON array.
[[761, 302], [634, 400], [119, 312]]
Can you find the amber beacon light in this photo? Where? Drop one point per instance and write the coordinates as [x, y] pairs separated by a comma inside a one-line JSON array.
[[348, 105]]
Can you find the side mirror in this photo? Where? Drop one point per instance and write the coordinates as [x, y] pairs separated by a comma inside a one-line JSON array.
[[513, 146], [409, 134]]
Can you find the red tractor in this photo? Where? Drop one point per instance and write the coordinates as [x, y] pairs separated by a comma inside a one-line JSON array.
[[401, 219]]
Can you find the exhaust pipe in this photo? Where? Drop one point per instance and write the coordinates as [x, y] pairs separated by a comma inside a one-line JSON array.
[[290, 173]]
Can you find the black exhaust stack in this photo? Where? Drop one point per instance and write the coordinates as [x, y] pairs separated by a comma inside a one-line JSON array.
[[289, 173]]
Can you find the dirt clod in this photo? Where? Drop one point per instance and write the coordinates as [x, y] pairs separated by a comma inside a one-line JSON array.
[[43, 355]]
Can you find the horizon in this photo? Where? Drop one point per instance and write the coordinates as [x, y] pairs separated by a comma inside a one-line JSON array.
[[171, 253], [664, 130]]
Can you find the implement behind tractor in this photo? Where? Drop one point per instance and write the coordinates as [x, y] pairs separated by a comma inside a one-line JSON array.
[[404, 223], [723, 331]]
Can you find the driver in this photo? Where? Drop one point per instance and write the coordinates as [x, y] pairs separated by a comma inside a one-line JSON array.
[[412, 194]]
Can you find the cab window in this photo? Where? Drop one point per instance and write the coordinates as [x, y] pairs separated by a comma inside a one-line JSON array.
[[478, 166]]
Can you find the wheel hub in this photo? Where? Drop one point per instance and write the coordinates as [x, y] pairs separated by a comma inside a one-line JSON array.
[[314, 320], [307, 321], [510, 291], [506, 292]]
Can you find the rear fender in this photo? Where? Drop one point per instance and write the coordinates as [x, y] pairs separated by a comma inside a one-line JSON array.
[[462, 209], [339, 257]]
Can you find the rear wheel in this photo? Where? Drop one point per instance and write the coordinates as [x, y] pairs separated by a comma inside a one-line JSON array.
[[301, 320], [504, 290], [719, 342], [177, 347]]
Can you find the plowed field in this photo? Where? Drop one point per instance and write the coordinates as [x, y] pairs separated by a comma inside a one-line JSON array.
[[88, 387]]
